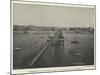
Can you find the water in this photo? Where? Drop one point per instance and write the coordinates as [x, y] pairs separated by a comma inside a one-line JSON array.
[[73, 54]]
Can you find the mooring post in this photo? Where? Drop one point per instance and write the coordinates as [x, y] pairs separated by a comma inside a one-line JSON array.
[[59, 48]]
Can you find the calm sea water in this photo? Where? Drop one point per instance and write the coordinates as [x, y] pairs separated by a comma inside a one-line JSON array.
[[27, 45]]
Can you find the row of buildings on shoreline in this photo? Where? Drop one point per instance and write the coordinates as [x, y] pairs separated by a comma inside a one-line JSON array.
[[39, 28]]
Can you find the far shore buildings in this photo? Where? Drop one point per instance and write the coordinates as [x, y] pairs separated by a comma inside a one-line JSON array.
[[38, 28], [83, 29]]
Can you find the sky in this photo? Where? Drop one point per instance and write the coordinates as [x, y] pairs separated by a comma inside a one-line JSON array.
[[60, 16]]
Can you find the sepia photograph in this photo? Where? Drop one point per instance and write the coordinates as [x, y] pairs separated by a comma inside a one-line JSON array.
[[51, 35]]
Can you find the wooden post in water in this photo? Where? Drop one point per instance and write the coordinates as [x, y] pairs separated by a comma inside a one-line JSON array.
[[59, 49]]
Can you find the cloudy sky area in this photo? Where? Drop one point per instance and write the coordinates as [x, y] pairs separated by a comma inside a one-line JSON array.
[[40, 15]]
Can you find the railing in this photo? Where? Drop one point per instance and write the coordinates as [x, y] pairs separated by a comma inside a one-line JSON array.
[[39, 54]]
